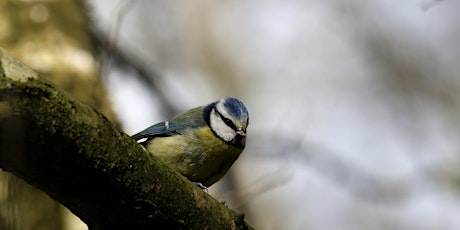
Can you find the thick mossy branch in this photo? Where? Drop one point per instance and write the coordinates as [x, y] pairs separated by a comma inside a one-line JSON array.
[[84, 161]]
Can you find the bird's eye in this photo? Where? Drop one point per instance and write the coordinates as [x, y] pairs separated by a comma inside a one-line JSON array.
[[229, 123]]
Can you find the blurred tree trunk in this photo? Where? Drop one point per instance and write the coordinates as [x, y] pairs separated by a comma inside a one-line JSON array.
[[53, 38]]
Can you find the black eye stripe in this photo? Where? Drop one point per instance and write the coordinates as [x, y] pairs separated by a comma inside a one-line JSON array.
[[227, 121]]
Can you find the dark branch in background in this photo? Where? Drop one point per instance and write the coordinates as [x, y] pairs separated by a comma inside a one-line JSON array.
[[84, 161], [114, 57]]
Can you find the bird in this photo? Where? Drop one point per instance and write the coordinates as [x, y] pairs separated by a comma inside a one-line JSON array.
[[201, 143]]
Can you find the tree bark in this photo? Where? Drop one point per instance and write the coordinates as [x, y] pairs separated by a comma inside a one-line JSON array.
[[81, 159]]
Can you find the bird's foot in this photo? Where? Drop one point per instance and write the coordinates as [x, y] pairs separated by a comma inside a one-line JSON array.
[[200, 185]]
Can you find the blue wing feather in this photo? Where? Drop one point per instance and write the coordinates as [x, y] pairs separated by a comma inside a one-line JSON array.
[[162, 129], [176, 125]]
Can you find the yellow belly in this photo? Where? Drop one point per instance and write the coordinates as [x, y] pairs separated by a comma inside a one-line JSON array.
[[198, 155]]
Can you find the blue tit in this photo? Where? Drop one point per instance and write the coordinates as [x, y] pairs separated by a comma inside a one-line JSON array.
[[201, 143]]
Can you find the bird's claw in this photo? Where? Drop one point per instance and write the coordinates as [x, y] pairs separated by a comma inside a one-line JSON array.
[[200, 185]]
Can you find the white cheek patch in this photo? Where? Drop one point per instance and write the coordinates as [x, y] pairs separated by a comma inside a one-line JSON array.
[[220, 128]]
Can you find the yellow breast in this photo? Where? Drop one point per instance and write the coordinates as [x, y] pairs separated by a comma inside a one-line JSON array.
[[197, 154]]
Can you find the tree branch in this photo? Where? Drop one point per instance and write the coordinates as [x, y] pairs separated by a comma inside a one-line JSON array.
[[84, 161]]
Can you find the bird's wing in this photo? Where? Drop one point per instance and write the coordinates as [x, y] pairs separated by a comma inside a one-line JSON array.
[[162, 129], [176, 125]]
